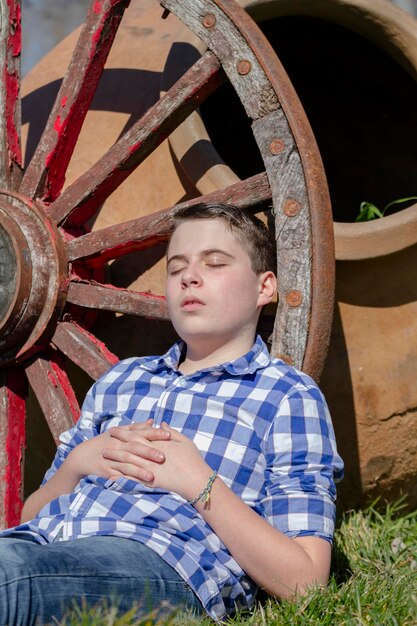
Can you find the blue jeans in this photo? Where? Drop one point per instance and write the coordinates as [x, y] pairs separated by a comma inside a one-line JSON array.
[[40, 582]]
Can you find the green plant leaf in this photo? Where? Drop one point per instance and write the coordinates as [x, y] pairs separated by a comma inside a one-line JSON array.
[[368, 211], [399, 201]]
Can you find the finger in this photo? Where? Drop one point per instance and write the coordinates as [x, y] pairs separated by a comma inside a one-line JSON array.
[[145, 440], [145, 452], [134, 453], [139, 432], [151, 431], [121, 433], [141, 425], [173, 434], [131, 470]]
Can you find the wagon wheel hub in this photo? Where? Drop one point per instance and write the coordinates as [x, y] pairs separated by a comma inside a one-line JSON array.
[[32, 276]]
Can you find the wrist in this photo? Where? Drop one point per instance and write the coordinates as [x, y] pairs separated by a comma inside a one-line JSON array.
[[197, 483], [205, 495]]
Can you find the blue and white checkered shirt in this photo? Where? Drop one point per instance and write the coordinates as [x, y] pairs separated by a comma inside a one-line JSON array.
[[262, 425]]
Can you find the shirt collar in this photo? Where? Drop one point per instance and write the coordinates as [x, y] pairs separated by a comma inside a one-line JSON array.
[[257, 357]]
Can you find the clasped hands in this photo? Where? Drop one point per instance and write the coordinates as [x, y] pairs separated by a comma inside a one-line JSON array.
[[157, 457]]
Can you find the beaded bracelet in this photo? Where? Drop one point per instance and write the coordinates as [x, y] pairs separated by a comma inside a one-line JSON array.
[[204, 496]]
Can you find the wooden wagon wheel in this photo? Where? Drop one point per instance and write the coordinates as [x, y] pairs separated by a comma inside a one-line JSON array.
[[49, 264]]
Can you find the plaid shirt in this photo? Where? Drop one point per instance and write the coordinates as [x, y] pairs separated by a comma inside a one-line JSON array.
[[263, 425]]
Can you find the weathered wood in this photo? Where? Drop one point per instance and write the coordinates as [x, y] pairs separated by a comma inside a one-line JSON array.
[[82, 199], [40, 271], [292, 232], [84, 349], [45, 175], [13, 391], [10, 118], [93, 295], [229, 44], [253, 194], [54, 393]]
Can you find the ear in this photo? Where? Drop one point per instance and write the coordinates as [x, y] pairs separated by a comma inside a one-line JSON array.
[[267, 288]]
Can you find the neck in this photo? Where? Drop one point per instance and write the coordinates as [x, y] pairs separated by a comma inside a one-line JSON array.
[[201, 357]]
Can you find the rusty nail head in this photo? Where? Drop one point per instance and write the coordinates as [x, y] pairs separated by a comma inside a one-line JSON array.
[[291, 207], [277, 146], [294, 298], [244, 67], [209, 20]]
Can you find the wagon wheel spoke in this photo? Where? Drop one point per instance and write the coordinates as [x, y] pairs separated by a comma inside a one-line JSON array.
[[86, 195], [52, 388], [83, 349], [253, 194], [109, 298], [10, 42], [13, 392], [45, 175]]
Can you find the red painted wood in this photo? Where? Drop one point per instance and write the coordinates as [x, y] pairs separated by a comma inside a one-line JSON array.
[[53, 390], [85, 196], [109, 298], [45, 175], [253, 194], [13, 392], [84, 349], [10, 47]]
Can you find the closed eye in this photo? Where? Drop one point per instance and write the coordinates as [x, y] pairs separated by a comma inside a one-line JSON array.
[[216, 260], [175, 269]]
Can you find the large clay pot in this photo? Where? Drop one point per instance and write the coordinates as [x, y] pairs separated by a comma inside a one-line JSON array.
[[354, 65]]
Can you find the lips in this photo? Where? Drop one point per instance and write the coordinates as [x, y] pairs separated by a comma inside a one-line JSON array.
[[191, 303]]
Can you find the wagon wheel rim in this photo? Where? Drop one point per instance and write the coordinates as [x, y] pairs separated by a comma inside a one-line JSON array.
[[36, 213]]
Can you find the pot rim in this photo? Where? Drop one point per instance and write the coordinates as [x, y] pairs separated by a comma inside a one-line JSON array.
[[386, 25]]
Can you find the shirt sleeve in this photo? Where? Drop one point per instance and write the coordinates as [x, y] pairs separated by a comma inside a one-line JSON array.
[[84, 429], [100, 402], [302, 466]]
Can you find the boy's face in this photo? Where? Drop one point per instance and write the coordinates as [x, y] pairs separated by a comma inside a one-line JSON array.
[[214, 297]]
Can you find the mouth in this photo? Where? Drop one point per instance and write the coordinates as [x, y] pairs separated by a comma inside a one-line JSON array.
[[191, 304]]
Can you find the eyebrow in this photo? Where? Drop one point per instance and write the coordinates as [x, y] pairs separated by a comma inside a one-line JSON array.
[[204, 253]]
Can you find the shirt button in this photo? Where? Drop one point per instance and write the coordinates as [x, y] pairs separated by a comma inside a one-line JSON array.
[[181, 383], [73, 513]]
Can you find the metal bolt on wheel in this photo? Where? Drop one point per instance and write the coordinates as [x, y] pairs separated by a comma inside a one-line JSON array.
[[49, 263]]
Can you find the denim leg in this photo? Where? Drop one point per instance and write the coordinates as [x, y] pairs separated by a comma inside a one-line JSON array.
[[39, 582]]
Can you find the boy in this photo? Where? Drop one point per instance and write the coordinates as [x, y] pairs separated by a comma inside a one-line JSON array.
[[195, 477]]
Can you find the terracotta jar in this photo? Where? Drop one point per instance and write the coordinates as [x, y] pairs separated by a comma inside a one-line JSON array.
[[354, 68]]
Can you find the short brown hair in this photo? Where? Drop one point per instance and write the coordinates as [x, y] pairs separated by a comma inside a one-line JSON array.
[[250, 232]]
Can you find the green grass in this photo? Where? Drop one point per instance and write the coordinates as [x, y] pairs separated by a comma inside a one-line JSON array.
[[374, 581]]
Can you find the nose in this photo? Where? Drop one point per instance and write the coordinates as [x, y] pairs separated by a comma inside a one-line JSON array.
[[190, 277]]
